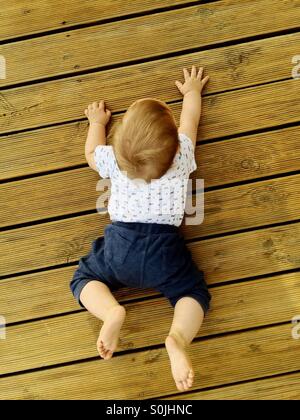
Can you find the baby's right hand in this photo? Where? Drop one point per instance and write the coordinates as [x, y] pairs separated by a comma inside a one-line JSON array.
[[193, 81]]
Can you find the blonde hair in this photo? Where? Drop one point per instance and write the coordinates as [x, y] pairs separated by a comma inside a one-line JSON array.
[[146, 140]]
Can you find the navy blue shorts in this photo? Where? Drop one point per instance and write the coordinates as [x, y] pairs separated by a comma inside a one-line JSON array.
[[143, 255]]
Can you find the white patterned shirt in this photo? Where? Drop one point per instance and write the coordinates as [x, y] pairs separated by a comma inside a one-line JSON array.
[[160, 201]]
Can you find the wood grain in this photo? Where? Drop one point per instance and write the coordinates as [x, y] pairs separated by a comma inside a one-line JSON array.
[[286, 387], [41, 15], [257, 204], [224, 162], [223, 114], [254, 275], [139, 375], [47, 293], [226, 258], [120, 43], [235, 307]]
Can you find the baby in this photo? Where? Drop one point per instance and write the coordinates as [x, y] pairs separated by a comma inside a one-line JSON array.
[[149, 164]]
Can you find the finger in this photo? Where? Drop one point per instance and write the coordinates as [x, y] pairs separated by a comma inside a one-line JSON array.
[[186, 74], [178, 84], [193, 72], [86, 112], [108, 113], [101, 104], [200, 73], [90, 107], [205, 80], [95, 105]]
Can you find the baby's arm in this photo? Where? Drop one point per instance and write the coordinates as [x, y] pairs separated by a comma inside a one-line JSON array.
[[192, 101], [98, 119]]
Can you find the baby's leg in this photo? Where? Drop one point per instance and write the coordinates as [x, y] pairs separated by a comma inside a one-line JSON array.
[[97, 299], [188, 318]]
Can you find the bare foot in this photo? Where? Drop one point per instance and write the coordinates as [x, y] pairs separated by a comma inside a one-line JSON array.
[[110, 331], [181, 365]]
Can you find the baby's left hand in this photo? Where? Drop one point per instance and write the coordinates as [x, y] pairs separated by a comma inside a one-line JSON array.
[[97, 114]]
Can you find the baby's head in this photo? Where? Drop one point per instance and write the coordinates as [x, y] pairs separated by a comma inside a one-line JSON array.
[[146, 140]]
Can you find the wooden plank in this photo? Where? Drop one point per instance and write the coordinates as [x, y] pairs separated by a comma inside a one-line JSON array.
[[40, 98], [238, 159], [248, 157], [46, 149], [257, 204], [162, 33], [253, 109], [46, 195], [234, 307], [224, 114], [262, 352], [285, 387], [21, 19], [47, 293], [64, 241], [57, 147], [248, 254], [269, 252], [248, 206]]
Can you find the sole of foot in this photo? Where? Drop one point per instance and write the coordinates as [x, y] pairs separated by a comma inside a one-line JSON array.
[[110, 331], [181, 365]]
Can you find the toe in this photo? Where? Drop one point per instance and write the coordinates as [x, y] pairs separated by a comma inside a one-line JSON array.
[[101, 355], [108, 355], [185, 385], [179, 386], [100, 345], [102, 351], [190, 382], [105, 351], [190, 378]]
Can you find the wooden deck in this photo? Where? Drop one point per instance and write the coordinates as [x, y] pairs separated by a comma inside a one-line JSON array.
[[62, 55]]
